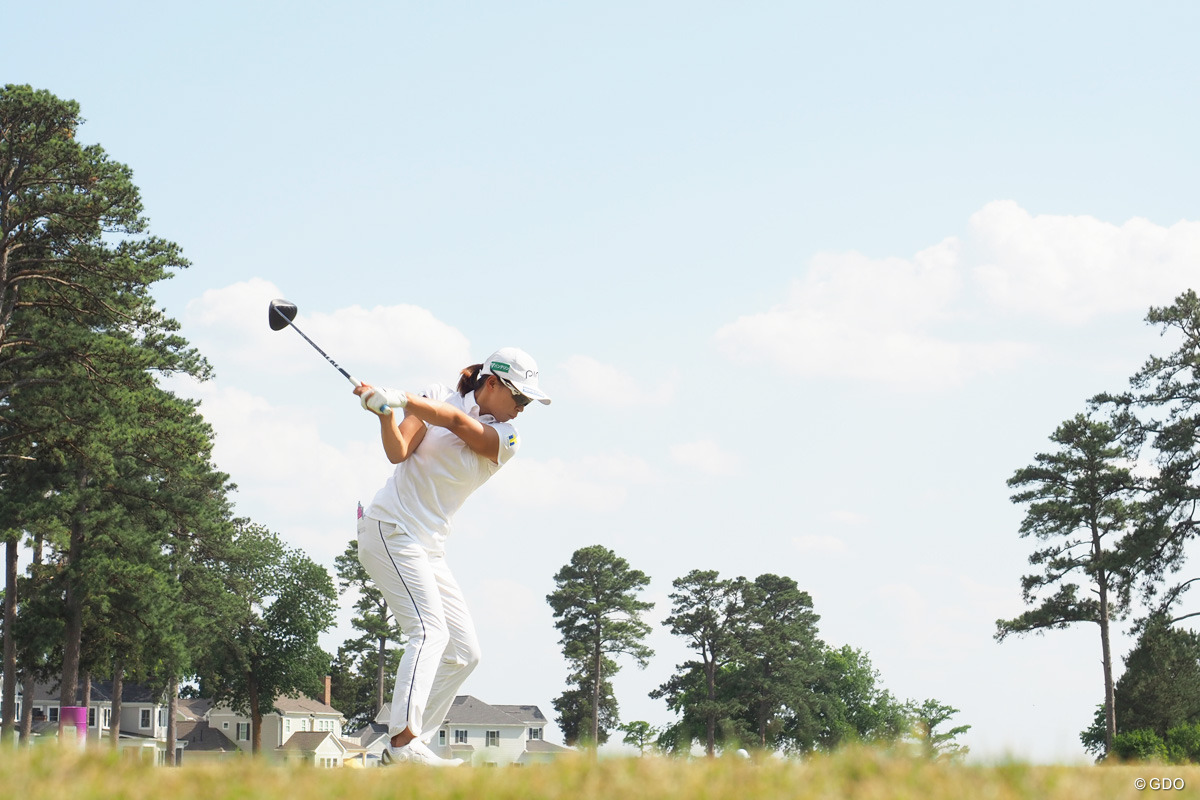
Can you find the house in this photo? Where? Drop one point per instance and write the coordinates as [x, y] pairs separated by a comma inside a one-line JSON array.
[[487, 735], [142, 728], [478, 733], [203, 732], [202, 742], [292, 715], [317, 748]]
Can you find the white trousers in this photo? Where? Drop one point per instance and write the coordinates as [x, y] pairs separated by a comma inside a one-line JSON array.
[[442, 647]]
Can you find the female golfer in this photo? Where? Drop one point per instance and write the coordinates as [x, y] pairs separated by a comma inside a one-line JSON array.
[[448, 442]]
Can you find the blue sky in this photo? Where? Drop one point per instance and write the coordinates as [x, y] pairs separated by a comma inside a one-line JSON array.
[[807, 283]]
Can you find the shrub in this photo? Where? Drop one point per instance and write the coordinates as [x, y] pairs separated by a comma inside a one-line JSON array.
[[1140, 745]]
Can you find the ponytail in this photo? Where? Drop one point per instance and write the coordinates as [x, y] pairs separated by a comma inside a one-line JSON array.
[[470, 379]]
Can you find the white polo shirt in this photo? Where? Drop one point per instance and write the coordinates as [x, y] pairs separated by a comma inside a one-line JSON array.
[[435, 480]]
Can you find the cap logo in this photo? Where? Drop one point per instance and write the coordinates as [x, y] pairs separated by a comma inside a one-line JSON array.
[[499, 366]]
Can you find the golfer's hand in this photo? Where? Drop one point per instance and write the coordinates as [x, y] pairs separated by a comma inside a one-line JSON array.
[[381, 401]]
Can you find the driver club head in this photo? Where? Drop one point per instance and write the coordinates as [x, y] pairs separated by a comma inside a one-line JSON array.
[[281, 313]]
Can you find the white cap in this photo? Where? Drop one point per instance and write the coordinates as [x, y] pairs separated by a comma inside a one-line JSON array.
[[517, 368]]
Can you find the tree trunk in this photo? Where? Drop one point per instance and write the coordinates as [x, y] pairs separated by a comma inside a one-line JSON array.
[[597, 680], [255, 715], [379, 674], [74, 609], [29, 686], [9, 703], [114, 731], [1110, 710], [27, 707], [87, 702], [172, 709], [710, 724]]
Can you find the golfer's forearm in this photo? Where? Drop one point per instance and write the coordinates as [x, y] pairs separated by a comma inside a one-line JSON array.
[[433, 412], [400, 438]]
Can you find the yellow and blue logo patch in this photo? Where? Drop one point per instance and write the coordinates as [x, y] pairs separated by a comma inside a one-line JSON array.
[[512, 440]]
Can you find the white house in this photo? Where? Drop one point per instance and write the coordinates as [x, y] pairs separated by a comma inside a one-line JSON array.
[[142, 728], [479, 733], [488, 735], [292, 715]]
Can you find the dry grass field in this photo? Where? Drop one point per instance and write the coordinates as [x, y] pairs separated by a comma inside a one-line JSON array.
[[53, 774]]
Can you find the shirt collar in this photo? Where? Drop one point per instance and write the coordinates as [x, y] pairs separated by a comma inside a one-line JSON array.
[[471, 406]]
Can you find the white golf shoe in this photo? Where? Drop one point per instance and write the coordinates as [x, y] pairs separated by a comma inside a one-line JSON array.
[[416, 752]]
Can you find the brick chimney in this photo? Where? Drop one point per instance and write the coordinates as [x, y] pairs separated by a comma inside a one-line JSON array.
[[328, 690]]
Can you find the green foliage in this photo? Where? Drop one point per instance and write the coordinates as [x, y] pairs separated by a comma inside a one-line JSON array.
[[763, 678], [1183, 744], [1160, 688], [780, 659], [860, 709], [599, 616], [1162, 410], [353, 676], [639, 734], [1081, 502], [706, 612], [933, 744], [281, 602], [1139, 745], [369, 653]]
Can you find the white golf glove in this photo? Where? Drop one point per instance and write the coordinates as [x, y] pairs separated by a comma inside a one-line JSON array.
[[377, 399]]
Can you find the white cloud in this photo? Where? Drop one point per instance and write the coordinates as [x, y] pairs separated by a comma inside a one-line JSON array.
[[284, 467], [389, 345], [869, 319], [1073, 268], [707, 457], [898, 321], [586, 376]]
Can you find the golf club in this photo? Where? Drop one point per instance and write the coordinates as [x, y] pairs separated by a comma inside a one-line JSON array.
[[282, 313]]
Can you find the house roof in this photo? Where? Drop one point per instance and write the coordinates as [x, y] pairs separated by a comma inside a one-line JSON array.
[[200, 737], [303, 704], [371, 732], [309, 741], [468, 710], [193, 709], [529, 715], [102, 692], [542, 746]]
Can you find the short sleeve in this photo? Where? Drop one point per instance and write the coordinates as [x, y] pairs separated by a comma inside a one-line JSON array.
[[509, 441]]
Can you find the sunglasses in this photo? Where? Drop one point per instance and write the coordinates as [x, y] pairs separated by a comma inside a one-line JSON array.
[[521, 399]]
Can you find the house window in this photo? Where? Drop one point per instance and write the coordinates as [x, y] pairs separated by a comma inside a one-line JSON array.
[[225, 725], [287, 725], [52, 713], [460, 736], [145, 718], [493, 739], [162, 718], [91, 716], [535, 734], [243, 731], [441, 738], [108, 717]]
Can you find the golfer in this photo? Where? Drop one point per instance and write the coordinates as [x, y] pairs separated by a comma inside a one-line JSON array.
[[446, 444]]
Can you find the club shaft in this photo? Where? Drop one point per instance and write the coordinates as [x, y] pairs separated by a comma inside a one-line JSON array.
[[317, 347]]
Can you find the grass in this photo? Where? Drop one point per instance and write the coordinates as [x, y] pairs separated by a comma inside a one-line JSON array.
[[850, 775]]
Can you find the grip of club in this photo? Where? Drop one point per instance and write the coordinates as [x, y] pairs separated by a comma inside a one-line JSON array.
[[384, 410]]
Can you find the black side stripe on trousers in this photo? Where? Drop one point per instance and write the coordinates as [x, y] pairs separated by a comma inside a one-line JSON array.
[[417, 660]]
